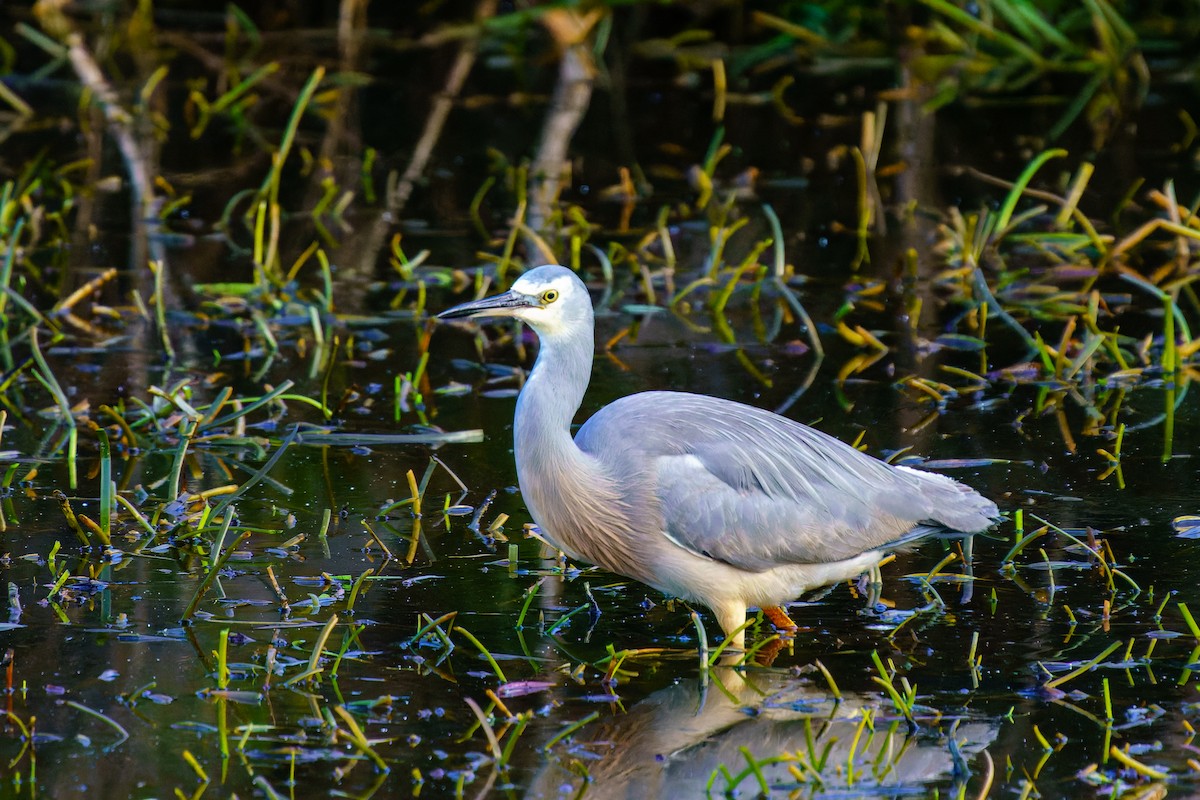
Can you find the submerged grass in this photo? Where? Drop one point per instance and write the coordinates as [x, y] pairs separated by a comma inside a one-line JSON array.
[[1099, 316]]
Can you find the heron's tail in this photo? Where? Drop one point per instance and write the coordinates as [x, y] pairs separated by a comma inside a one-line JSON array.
[[954, 506]]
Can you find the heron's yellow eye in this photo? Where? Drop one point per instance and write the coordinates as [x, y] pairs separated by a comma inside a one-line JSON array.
[[549, 296]]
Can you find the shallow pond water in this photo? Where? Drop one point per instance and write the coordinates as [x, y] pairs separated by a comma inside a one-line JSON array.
[[314, 637], [116, 645]]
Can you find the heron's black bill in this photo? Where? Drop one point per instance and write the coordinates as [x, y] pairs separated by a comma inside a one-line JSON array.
[[500, 305]]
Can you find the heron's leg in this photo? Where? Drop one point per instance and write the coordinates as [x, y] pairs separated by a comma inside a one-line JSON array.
[[968, 559], [732, 616], [874, 583], [779, 618]]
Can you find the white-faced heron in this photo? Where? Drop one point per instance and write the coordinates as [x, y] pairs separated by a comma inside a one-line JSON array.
[[713, 501]]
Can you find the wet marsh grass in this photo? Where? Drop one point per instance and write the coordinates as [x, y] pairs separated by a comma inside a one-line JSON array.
[[1103, 313], [756, 767]]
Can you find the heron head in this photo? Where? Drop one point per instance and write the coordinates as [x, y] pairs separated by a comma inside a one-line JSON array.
[[551, 299]]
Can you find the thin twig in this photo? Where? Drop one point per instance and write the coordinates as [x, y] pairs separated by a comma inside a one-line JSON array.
[[572, 96], [436, 120], [120, 121]]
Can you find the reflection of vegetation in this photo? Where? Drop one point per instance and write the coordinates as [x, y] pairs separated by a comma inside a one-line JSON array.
[[1055, 270]]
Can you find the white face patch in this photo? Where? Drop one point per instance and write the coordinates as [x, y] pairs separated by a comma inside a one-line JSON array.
[[551, 296], [560, 303], [535, 287]]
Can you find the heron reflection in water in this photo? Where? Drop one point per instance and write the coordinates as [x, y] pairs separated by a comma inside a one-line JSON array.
[[671, 743]]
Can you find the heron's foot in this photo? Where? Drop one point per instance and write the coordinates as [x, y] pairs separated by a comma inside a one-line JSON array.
[[782, 622]]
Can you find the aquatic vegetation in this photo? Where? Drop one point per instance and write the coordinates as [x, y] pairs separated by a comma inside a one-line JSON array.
[[257, 529]]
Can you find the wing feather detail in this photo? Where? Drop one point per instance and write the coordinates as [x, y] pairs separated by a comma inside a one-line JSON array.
[[757, 490]]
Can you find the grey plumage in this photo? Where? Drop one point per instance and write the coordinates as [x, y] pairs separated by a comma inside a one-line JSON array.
[[706, 499]]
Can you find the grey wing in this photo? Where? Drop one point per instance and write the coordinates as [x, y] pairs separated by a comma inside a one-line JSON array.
[[756, 490]]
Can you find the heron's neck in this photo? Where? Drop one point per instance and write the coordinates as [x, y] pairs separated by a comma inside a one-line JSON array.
[[575, 501], [553, 393]]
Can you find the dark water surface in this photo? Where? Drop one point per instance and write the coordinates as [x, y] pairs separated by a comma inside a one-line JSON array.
[[118, 698], [117, 646]]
